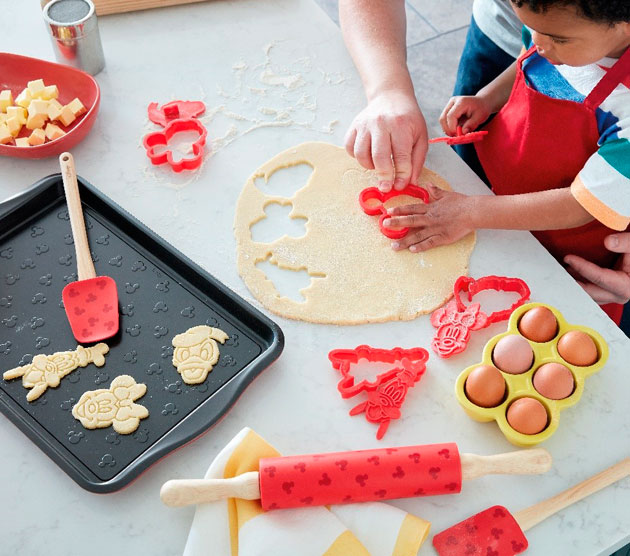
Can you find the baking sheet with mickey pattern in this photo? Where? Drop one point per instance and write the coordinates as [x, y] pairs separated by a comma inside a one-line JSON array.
[[161, 294]]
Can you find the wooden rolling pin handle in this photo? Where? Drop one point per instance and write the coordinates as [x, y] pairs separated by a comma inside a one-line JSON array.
[[520, 462], [85, 266], [533, 515], [184, 492]]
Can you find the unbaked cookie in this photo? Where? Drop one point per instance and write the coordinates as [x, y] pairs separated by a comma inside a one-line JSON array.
[[48, 370], [196, 352], [356, 277], [97, 409]]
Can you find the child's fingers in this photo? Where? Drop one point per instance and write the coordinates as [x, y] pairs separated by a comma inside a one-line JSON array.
[[434, 191], [615, 283], [444, 113], [419, 241], [403, 210], [600, 295], [382, 159], [474, 121], [408, 221], [458, 110]]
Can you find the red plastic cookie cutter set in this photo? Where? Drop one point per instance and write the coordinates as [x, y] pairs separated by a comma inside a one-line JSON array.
[[455, 321], [461, 138], [385, 394], [176, 116], [372, 209]]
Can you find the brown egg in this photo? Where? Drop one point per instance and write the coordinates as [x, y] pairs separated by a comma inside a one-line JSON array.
[[538, 325], [578, 348], [554, 381], [485, 386], [527, 416], [513, 354]]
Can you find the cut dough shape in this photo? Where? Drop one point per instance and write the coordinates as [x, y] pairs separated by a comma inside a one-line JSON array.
[[98, 409], [48, 370], [196, 352], [364, 279]]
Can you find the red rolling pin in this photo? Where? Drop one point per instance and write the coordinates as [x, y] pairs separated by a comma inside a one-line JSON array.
[[361, 476]]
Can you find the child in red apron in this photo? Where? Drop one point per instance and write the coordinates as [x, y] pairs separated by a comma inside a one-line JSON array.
[[557, 154]]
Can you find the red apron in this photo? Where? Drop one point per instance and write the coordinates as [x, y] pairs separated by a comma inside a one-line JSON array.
[[538, 143]]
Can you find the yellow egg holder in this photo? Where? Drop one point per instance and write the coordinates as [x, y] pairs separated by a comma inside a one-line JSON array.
[[519, 386]]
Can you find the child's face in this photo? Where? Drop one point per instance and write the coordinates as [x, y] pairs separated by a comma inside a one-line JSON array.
[[563, 36]]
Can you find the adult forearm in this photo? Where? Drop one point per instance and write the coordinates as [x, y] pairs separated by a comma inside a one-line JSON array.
[[374, 32], [555, 209]]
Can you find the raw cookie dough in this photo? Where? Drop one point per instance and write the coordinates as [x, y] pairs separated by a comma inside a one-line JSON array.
[[356, 276], [48, 370], [196, 352], [97, 409]]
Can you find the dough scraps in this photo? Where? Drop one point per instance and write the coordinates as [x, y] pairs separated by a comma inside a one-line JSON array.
[[356, 276], [48, 370], [197, 352], [98, 409]]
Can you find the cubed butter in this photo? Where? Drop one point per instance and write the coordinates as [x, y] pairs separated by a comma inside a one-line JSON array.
[[36, 121], [6, 100], [77, 107], [66, 117], [17, 112], [36, 88], [50, 92], [5, 135], [22, 142], [38, 137], [24, 98], [54, 109], [54, 132], [3, 118], [37, 114], [14, 126]]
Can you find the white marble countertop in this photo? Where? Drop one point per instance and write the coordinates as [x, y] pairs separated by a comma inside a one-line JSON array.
[[217, 52]]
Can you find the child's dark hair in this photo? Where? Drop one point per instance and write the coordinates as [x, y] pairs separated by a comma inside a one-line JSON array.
[[601, 11]]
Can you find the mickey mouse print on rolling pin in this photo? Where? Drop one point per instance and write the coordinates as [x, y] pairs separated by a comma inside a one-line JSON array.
[[360, 476]]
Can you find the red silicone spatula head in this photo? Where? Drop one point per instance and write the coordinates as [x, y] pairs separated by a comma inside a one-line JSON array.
[[91, 303], [493, 532]]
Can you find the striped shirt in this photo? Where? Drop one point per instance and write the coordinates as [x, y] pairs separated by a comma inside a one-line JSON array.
[[603, 186]]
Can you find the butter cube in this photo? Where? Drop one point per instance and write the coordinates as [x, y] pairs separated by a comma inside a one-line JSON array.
[[22, 142], [6, 100], [67, 116], [50, 92], [37, 114], [36, 88], [77, 107], [14, 126], [54, 132], [3, 118], [17, 112], [24, 98], [5, 135], [54, 109], [38, 137]]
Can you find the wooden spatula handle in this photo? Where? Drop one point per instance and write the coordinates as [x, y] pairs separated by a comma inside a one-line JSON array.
[[85, 266], [519, 462], [183, 492], [533, 515]]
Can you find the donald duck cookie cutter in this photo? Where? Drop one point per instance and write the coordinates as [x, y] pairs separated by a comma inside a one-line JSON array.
[[197, 352], [48, 370]]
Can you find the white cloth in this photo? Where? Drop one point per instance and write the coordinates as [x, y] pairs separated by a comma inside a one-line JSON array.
[[499, 23]]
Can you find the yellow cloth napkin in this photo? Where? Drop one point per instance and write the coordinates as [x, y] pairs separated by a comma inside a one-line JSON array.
[[238, 527]]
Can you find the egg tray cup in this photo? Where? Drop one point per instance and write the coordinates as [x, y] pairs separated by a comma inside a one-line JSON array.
[[521, 385]]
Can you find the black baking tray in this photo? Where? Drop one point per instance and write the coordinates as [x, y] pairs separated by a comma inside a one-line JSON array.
[[161, 293]]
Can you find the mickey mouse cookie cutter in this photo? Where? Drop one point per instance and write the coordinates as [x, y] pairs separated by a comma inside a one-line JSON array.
[[461, 138], [372, 209], [157, 139]]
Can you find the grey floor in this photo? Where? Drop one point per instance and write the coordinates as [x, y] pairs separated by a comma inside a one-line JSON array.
[[436, 31]]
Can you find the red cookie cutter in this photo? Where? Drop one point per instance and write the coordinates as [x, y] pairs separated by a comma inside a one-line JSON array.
[[461, 137], [175, 110], [162, 138], [386, 394], [372, 193], [455, 321]]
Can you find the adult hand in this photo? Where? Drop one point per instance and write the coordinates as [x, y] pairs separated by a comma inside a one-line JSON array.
[[469, 112], [605, 285], [390, 136], [444, 220]]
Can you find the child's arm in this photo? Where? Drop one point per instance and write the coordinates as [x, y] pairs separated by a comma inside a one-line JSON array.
[[470, 112], [450, 216]]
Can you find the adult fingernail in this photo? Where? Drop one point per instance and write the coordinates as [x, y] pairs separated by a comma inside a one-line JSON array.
[[399, 183], [384, 185], [395, 245], [413, 249], [387, 222]]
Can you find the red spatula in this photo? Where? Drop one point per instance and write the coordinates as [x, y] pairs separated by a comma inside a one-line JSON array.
[[497, 532], [91, 304]]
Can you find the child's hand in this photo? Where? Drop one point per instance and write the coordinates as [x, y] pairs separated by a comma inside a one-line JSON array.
[[441, 222], [390, 127], [469, 112]]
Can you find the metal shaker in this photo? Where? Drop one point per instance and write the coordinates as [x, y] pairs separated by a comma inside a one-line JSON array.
[[74, 33]]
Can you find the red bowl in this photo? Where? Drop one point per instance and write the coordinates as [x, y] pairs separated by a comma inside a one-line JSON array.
[[16, 71]]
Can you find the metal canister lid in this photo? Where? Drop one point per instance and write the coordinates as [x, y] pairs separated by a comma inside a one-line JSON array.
[[70, 18]]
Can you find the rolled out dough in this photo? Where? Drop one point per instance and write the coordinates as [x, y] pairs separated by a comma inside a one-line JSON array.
[[356, 277]]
